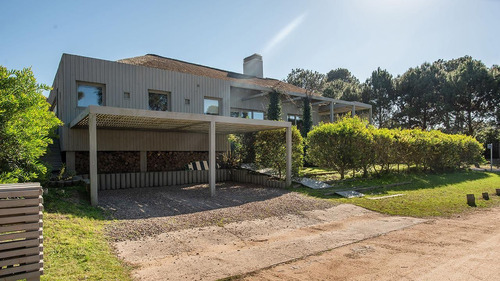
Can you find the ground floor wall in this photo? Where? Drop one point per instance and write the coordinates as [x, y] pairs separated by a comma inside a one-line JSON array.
[[137, 161], [171, 178]]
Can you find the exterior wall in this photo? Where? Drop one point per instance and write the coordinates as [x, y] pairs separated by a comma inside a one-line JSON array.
[[261, 103], [138, 80]]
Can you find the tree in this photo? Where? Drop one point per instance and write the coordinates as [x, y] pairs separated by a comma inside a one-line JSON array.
[[341, 74], [270, 150], [274, 108], [471, 94], [339, 89], [420, 97], [307, 121], [25, 125], [312, 82], [380, 93]]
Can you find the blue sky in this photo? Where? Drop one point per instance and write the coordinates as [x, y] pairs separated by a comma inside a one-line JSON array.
[[359, 35]]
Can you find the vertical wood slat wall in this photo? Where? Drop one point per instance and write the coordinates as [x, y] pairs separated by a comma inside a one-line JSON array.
[[21, 231], [170, 178]]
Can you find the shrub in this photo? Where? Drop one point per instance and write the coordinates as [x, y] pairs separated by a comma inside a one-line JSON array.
[[352, 144], [343, 145], [270, 150], [25, 125]]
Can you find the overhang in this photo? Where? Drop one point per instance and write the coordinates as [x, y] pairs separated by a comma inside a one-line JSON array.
[[139, 119]]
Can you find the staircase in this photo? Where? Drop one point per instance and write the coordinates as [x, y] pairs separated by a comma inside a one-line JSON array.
[[53, 156]]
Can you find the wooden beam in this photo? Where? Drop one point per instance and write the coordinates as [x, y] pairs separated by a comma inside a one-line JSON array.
[[332, 112], [255, 96], [93, 158], [211, 158], [288, 156], [292, 99]]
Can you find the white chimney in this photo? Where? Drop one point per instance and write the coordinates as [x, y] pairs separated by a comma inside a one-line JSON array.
[[253, 66]]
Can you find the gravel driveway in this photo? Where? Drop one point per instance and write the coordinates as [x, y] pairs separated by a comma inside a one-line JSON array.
[[150, 211]]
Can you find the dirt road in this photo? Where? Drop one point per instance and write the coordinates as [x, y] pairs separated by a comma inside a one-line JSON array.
[[461, 248], [210, 253]]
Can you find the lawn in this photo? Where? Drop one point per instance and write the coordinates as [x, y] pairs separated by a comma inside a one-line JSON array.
[[75, 247], [428, 194]]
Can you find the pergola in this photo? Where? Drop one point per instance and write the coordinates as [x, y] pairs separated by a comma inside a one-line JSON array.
[[104, 117]]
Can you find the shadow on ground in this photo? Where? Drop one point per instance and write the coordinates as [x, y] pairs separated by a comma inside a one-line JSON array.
[[141, 203]]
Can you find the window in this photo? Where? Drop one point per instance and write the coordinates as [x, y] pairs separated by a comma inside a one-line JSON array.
[[159, 101], [90, 94], [240, 113], [126, 96], [211, 106], [295, 120]]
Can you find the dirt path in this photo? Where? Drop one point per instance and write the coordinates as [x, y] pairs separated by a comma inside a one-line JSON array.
[[462, 248], [209, 253]]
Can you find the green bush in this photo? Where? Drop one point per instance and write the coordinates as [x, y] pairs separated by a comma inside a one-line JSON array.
[[343, 145], [270, 150], [353, 144], [25, 126]]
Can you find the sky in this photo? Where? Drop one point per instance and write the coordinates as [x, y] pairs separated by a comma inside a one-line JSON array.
[[359, 35]]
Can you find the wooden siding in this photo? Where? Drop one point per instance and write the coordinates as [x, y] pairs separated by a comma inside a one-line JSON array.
[[261, 104], [21, 250], [128, 140], [172, 178]]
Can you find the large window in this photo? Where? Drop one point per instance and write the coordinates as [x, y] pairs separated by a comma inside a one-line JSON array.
[[90, 94], [211, 106], [295, 119], [159, 101], [241, 113]]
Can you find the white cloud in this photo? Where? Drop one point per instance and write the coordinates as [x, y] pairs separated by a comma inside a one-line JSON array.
[[289, 28]]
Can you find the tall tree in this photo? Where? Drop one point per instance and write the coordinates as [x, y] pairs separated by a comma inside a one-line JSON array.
[[274, 108], [341, 74], [471, 94], [312, 82], [339, 89], [420, 97], [307, 121], [25, 125], [379, 92]]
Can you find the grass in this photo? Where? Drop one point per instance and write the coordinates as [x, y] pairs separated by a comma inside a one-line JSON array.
[[75, 247], [428, 195]]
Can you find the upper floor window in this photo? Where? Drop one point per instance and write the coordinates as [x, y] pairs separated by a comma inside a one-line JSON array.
[[295, 120], [211, 106], [159, 101], [90, 94], [259, 115]]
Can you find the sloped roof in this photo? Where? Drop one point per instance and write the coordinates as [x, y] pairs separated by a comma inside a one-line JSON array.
[[155, 61]]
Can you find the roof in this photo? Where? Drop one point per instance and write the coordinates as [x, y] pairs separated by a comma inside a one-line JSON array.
[[155, 61], [140, 119]]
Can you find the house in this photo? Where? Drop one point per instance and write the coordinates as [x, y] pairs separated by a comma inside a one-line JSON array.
[[152, 114]]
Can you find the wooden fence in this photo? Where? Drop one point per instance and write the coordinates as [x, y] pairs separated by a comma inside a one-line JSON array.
[[21, 248], [260, 179], [156, 179], [170, 178]]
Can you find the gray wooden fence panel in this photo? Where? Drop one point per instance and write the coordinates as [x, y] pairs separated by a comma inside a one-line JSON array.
[[21, 231]]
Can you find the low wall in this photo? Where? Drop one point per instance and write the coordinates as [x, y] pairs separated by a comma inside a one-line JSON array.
[[21, 233], [170, 178], [260, 179], [155, 179]]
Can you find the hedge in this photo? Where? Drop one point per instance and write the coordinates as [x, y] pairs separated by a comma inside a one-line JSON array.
[[353, 144], [270, 150]]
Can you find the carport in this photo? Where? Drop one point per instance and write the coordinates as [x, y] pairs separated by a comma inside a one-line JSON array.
[[104, 117]]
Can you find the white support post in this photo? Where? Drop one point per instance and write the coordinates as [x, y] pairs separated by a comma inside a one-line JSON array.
[[288, 156], [353, 110], [332, 112], [211, 158], [371, 116], [93, 159]]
